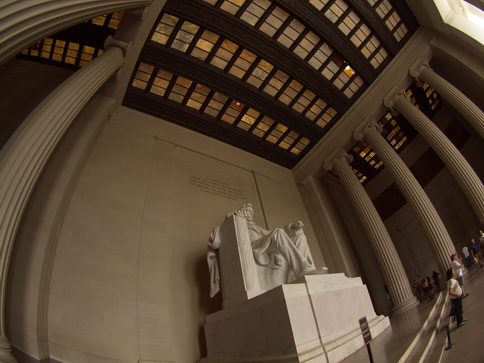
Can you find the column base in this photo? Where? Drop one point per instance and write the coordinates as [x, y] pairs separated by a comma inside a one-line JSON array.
[[405, 306], [6, 355]]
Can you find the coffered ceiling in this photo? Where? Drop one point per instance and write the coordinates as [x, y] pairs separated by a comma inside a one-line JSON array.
[[271, 77]]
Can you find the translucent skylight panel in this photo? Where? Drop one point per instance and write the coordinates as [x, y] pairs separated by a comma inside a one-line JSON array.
[[330, 70], [288, 140], [72, 53], [87, 54], [109, 21], [353, 87], [263, 126], [59, 50], [360, 35], [320, 56], [336, 10], [224, 54], [341, 80], [391, 18], [161, 82], [290, 92], [276, 133], [198, 97], [235, 113], [231, 114], [432, 96], [326, 117], [303, 102], [46, 48], [291, 33], [400, 32], [180, 89], [379, 58], [248, 119], [115, 20], [306, 45], [142, 76], [254, 11], [185, 36], [300, 146], [274, 21], [349, 23], [164, 28], [204, 45], [215, 105], [318, 4], [276, 83], [232, 6], [242, 63], [316, 110], [260, 73]]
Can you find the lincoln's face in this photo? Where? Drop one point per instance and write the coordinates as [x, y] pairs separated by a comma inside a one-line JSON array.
[[248, 212]]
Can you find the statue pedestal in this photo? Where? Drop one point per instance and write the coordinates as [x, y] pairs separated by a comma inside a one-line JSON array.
[[314, 319]]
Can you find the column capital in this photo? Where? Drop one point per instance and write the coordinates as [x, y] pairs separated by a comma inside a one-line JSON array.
[[389, 100], [417, 68], [141, 12], [339, 153], [360, 131], [110, 42]]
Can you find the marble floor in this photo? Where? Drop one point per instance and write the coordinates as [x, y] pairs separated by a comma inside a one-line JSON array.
[[467, 341]]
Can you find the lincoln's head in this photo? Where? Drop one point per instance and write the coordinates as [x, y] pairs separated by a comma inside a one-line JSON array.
[[246, 211]]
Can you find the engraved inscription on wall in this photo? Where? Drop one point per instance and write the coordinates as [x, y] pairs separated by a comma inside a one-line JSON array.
[[217, 187]]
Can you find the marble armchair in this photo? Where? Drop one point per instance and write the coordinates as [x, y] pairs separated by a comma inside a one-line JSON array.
[[233, 266]]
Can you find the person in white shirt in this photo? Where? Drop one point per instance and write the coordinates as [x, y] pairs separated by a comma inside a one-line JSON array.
[[467, 257], [455, 292], [459, 275]]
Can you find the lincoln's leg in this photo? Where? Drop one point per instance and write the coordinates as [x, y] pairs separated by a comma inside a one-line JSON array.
[[301, 244], [298, 262]]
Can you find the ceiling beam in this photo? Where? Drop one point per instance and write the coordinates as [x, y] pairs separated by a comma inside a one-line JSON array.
[[205, 124], [262, 45], [380, 30], [196, 70], [325, 29]]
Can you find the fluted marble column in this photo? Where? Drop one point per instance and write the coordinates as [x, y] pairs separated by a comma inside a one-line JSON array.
[[28, 150], [387, 256], [433, 226], [23, 22], [465, 176], [421, 71]]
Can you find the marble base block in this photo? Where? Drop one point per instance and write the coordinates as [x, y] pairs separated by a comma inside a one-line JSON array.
[[314, 319]]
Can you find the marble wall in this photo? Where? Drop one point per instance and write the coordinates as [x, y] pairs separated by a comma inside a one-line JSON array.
[[129, 277]]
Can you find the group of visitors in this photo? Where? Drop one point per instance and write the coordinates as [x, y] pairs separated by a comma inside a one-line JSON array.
[[473, 252], [473, 255], [455, 275], [424, 289]]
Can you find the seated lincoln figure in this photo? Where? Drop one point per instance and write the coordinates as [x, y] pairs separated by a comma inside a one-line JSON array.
[[284, 249], [270, 247]]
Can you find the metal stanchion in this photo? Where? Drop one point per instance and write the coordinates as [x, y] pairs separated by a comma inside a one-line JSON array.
[[449, 340]]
